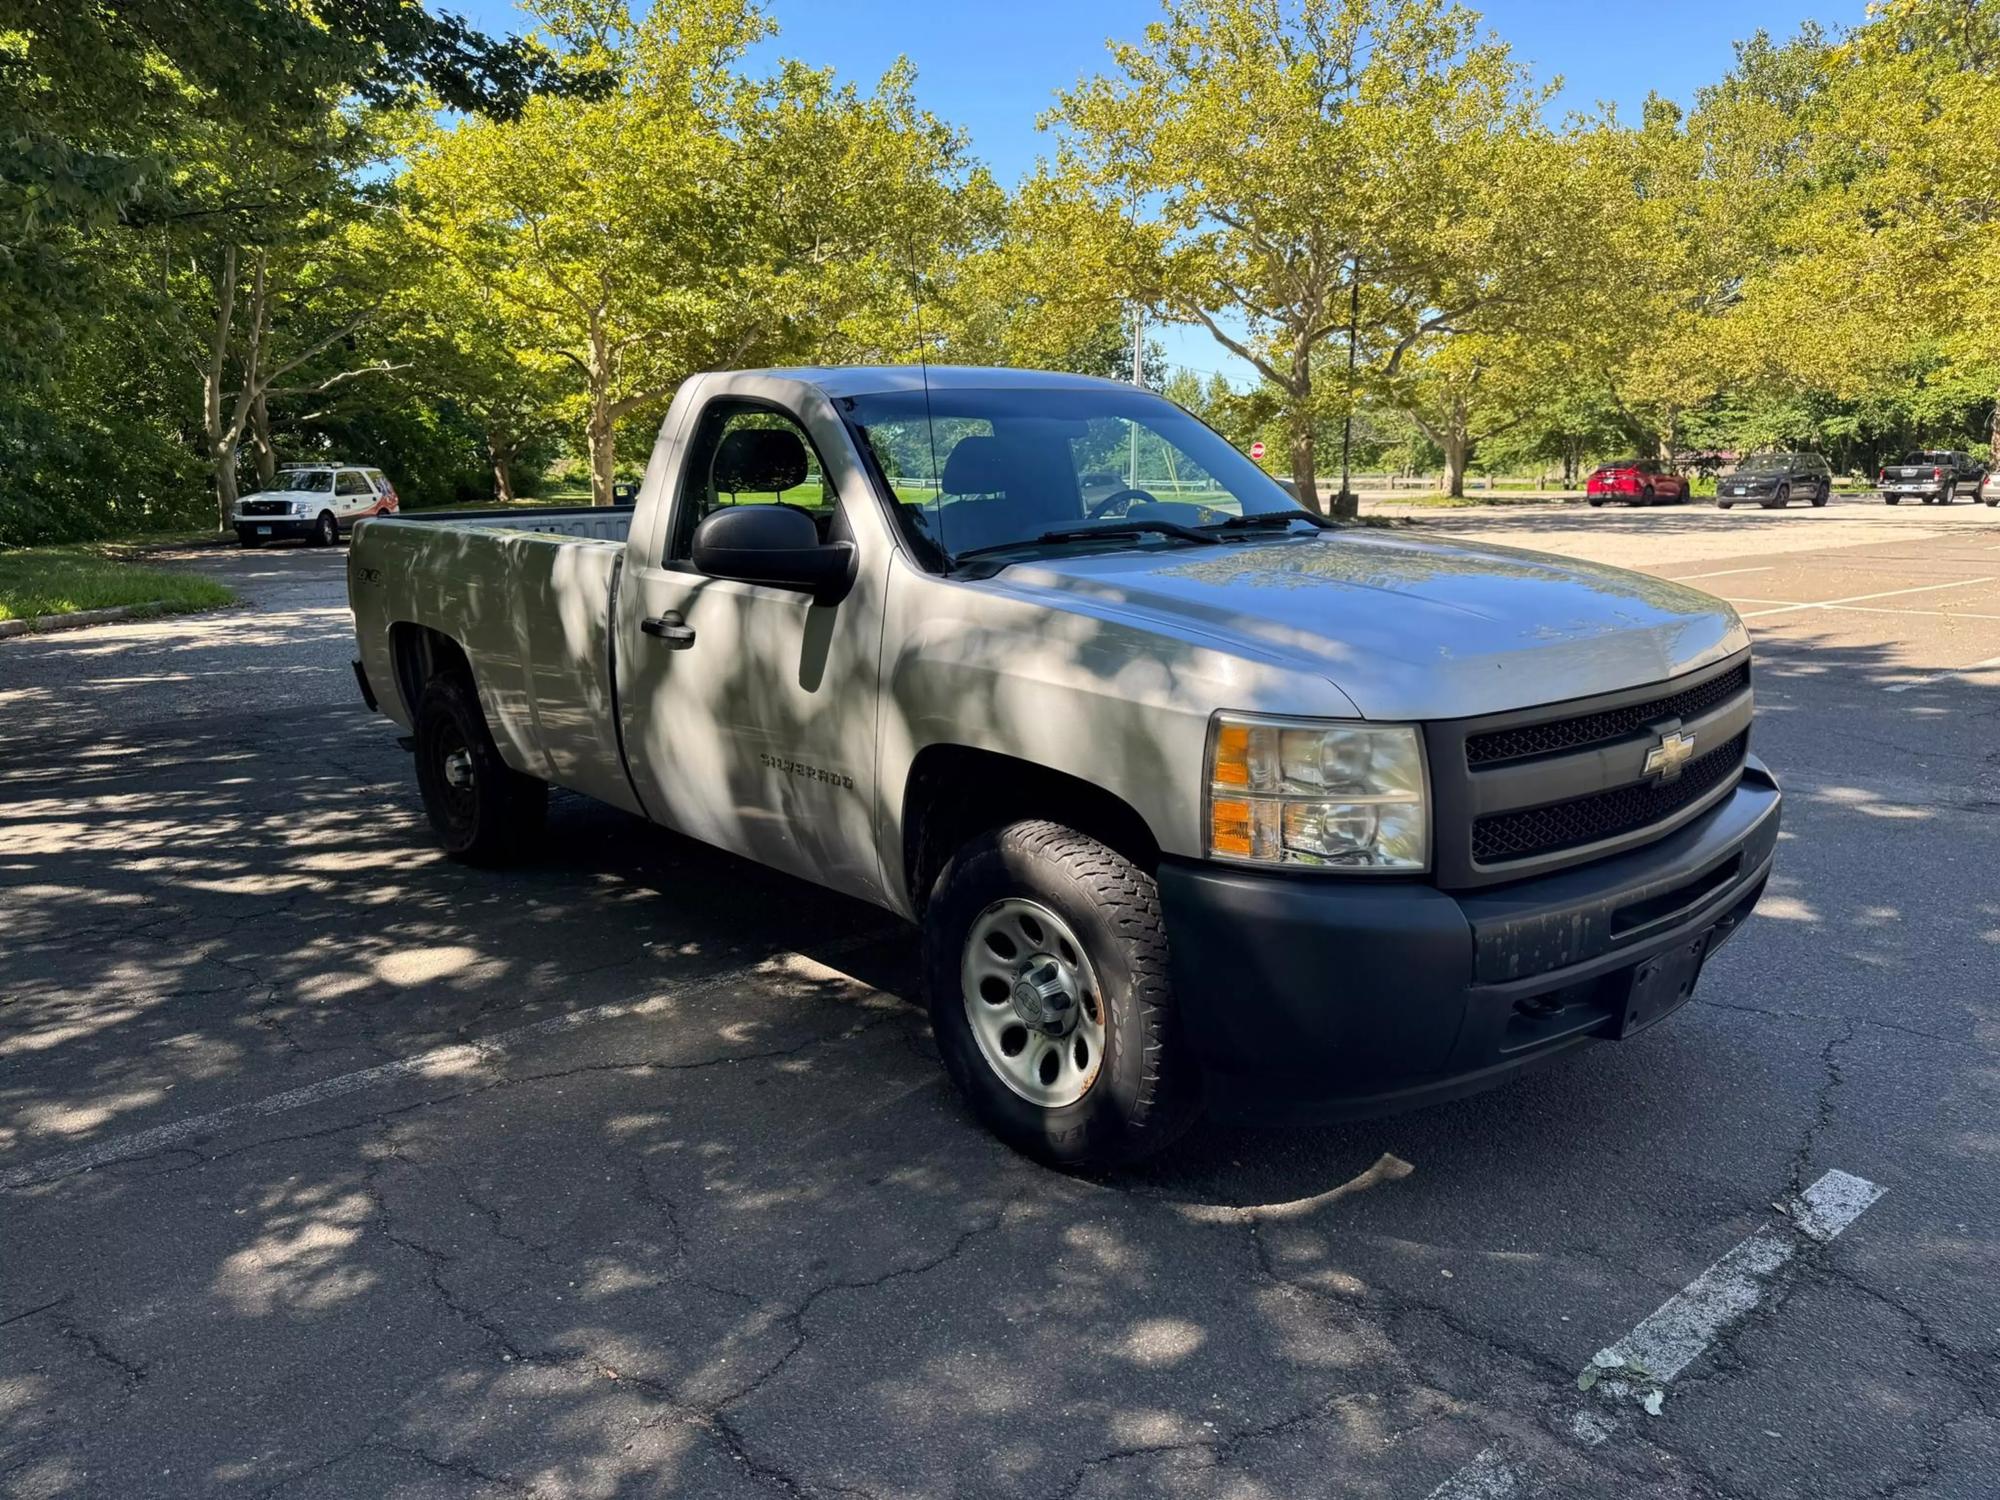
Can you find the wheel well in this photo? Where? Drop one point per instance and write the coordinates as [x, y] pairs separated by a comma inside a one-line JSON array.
[[421, 653], [955, 793]]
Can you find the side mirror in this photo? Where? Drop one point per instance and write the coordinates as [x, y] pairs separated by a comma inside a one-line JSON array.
[[776, 545]]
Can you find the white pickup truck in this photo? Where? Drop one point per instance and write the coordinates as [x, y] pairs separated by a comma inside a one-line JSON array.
[[1198, 800]]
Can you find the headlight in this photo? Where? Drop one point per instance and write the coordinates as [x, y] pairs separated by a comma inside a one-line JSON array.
[[299, 507], [1311, 794]]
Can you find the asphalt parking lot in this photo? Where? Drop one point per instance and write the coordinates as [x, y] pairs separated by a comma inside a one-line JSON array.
[[328, 1168]]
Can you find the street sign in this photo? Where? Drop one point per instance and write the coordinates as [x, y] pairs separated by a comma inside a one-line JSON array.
[[1257, 450]]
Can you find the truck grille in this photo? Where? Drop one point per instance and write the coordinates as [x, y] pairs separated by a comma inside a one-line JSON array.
[[1529, 792], [267, 507], [1558, 735], [1603, 815]]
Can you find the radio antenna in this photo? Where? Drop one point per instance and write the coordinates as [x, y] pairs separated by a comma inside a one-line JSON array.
[[930, 418]]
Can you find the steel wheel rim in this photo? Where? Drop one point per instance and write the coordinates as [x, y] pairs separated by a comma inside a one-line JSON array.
[[1021, 963]]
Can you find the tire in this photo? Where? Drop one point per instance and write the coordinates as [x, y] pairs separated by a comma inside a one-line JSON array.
[[247, 538], [1823, 494], [1595, 501], [1645, 498], [1724, 504], [1945, 494], [1780, 498], [1086, 901], [326, 530], [1890, 499], [483, 811]]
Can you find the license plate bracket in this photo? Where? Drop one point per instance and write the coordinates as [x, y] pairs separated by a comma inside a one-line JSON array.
[[263, 531], [1662, 984]]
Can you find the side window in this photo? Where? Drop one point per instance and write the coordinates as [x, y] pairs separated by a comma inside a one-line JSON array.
[[745, 454], [352, 483]]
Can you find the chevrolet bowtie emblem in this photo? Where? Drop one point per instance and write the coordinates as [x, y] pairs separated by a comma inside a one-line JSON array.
[[1674, 751]]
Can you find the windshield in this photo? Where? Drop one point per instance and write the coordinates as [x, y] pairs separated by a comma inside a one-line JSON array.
[[1764, 463], [304, 482], [987, 469]]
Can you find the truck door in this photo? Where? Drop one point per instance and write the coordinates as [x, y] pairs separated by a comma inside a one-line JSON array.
[[749, 710]]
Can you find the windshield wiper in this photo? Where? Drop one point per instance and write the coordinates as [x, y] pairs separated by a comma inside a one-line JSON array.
[[1091, 533], [1270, 518]]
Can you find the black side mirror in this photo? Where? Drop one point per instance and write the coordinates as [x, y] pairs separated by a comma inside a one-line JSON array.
[[776, 545]]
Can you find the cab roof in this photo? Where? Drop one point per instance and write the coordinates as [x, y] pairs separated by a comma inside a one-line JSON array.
[[868, 380]]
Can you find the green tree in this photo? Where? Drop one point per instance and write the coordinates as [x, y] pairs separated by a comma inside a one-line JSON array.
[[693, 217], [1294, 152]]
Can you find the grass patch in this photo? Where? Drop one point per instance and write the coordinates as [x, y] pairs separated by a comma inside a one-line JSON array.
[[37, 581], [1473, 500]]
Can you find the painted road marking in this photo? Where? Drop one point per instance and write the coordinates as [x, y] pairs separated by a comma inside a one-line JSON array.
[[1682, 1328], [1718, 573], [1922, 588], [440, 1062], [1979, 666], [1487, 1477]]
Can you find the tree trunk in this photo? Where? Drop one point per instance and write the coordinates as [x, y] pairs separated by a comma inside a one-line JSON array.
[[500, 451], [261, 451], [602, 453], [1457, 453]]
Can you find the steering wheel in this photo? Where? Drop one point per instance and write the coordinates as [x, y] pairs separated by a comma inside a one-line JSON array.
[[1098, 511]]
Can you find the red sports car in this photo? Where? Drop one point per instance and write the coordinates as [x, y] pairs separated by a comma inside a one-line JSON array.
[[1636, 481]]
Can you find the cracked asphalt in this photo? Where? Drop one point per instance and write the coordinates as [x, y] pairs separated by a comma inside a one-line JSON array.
[[713, 1223]]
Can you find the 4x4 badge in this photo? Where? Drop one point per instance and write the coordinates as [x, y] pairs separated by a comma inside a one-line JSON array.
[[1674, 751]]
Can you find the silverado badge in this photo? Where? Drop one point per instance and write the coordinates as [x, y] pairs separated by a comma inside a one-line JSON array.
[[1674, 751]]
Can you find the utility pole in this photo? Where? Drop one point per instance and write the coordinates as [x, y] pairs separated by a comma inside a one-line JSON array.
[[1345, 502]]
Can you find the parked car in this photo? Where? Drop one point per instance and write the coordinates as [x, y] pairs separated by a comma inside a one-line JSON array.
[[1774, 480], [1989, 487], [1260, 814], [318, 501], [1933, 475], [1636, 481]]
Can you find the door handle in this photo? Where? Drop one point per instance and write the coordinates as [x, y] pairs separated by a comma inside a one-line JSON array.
[[671, 628]]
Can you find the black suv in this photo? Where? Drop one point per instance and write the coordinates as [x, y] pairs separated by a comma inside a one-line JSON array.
[[1774, 480], [1933, 475]]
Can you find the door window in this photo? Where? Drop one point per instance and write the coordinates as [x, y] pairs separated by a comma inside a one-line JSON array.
[[745, 454], [353, 483]]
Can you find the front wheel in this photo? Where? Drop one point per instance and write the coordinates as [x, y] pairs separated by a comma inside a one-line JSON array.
[[245, 537], [1045, 961], [1780, 500], [326, 530], [483, 811]]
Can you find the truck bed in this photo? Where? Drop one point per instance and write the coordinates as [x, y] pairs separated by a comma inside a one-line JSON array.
[[600, 523], [527, 594]]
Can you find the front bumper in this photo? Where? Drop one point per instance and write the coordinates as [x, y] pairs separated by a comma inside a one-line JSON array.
[[1321, 998], [273, 527]]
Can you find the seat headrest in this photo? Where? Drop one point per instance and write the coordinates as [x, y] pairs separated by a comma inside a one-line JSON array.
[[759, 460], [979, 465]]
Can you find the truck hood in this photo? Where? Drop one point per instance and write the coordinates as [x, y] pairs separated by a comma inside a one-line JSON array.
[[1407, 629]]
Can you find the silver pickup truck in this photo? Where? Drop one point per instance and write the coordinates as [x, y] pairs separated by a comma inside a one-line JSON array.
[[1198, 799]]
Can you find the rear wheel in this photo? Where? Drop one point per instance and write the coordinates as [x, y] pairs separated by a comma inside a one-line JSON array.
[[1945, 494], [1645, 497], [1823, 494], [482, 810], [1045, 959], [1890, 499], [1595, 501]]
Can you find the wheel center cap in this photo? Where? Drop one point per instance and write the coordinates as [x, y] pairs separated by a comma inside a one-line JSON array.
[[458, 769], [1042, 997]]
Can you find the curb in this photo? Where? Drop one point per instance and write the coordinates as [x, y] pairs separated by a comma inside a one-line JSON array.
[[37, 624]]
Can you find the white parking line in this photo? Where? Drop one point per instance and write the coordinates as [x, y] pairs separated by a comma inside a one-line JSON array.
[[1718, 573], [1979, 666], [1487, 1477], [439, 1062], [1922, 588], [1682, 1328]]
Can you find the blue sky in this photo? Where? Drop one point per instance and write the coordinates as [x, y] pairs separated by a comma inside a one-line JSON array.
[[992, 68]]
